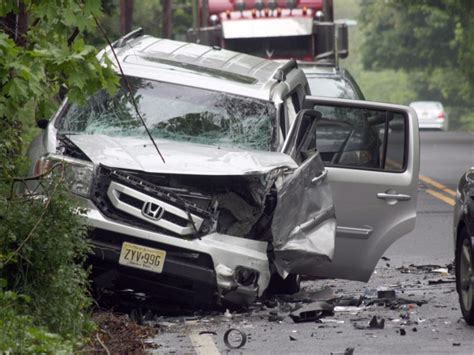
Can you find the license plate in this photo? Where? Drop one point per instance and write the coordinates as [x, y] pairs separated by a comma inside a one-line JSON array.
[[141, 257]]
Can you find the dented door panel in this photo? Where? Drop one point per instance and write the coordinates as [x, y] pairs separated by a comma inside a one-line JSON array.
[[304, 224]]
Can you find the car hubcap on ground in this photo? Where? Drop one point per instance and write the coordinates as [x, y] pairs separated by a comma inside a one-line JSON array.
[[466, 275]]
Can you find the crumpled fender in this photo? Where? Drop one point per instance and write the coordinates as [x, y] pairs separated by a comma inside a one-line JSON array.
[[304, 223]]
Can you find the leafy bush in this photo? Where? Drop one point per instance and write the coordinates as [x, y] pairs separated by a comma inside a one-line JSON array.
[[45, 287], [18, 334]]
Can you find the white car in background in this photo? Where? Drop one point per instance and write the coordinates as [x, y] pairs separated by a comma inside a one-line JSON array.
[[431, 115]]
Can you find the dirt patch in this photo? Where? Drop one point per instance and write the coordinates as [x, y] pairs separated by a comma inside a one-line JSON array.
[[118, 334]]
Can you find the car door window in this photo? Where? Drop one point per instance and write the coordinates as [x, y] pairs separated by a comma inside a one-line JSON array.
[[361, 138]]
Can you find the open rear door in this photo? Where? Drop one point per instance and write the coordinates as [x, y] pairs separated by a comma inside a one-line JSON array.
[[371, 153]]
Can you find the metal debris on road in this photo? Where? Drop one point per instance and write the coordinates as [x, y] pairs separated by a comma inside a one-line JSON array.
[[348, 351], [312, 312], [441, 281], [376, 323], [207, 332]]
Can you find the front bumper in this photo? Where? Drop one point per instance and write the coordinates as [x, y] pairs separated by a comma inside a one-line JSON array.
[[209, 266]]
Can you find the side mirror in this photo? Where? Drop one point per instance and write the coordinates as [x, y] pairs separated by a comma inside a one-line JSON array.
[[42, 123], [301, 139]]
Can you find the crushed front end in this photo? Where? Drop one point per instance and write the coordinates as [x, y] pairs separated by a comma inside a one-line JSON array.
[[213, 233]]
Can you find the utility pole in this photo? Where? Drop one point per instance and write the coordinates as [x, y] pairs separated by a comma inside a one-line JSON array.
[[166, 19], [126, 16], [195, 14], [205, 13]]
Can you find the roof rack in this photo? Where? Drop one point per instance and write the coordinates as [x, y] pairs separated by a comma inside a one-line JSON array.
[[283, 70], [129, 36]]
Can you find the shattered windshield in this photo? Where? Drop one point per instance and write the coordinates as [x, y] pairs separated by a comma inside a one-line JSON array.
[[175, 112]]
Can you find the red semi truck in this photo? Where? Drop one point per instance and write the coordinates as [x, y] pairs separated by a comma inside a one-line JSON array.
[[276, 29]]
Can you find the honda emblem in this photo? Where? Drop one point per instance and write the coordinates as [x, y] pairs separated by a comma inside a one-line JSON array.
[[152, 211]]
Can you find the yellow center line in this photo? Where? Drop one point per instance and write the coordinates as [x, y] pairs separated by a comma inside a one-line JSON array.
[[440, 196], [438, 185]]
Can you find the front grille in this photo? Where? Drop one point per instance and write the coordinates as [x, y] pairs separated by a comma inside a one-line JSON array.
[[122, 196]]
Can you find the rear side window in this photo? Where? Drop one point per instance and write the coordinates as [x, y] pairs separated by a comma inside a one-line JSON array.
[[332, 87], [362, 138]]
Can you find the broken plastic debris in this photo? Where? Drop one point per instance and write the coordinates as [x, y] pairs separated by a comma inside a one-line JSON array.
[[395, 302], [348, 351], [376, 323], [227, 314], [207, 332], [348, 309], [345, 301], [384, 292], [326, 320], [441, 281], [312, 312], [235, 338], [442, 270], [275, 317]]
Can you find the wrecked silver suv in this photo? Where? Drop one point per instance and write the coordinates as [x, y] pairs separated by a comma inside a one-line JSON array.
[[241, 193]]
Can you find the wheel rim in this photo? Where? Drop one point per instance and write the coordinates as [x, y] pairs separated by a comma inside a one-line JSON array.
[[466, 275]]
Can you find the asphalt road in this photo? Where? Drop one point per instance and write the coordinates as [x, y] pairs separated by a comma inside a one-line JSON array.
[[444, 158], [435, 327]]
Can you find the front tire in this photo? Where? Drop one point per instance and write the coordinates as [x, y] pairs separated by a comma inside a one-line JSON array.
[[464, 261]]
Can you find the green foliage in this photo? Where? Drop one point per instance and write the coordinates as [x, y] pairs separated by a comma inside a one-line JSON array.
[[146, 14], [432, 42], [32, 71], [18, 333], [42, 251], [44, 296]]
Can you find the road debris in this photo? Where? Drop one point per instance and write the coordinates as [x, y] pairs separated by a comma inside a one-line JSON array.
[[394, 303], [441, 281], [402, 332], [312, 312], [427, 268], [119, 334], [386, 293], [351, 309], [235, 338], [376, 323], [207, 332], [348, 351]]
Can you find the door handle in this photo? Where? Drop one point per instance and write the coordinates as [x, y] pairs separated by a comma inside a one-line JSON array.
[[393, 196], [320, 177]]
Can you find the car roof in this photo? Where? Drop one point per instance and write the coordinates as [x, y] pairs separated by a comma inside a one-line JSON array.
[[314, 70], [320, 70], [198, 65]]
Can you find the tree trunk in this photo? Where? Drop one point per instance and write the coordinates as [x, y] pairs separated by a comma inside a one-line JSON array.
[[126, 16], [167, 21]]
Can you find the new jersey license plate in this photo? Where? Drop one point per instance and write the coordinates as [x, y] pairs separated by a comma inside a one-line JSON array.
[[141, 257]]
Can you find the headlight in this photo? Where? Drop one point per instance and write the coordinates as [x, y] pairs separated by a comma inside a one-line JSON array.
[[76, 173]]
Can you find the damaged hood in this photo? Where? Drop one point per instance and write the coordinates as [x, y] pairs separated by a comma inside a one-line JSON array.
[[181, 157]]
